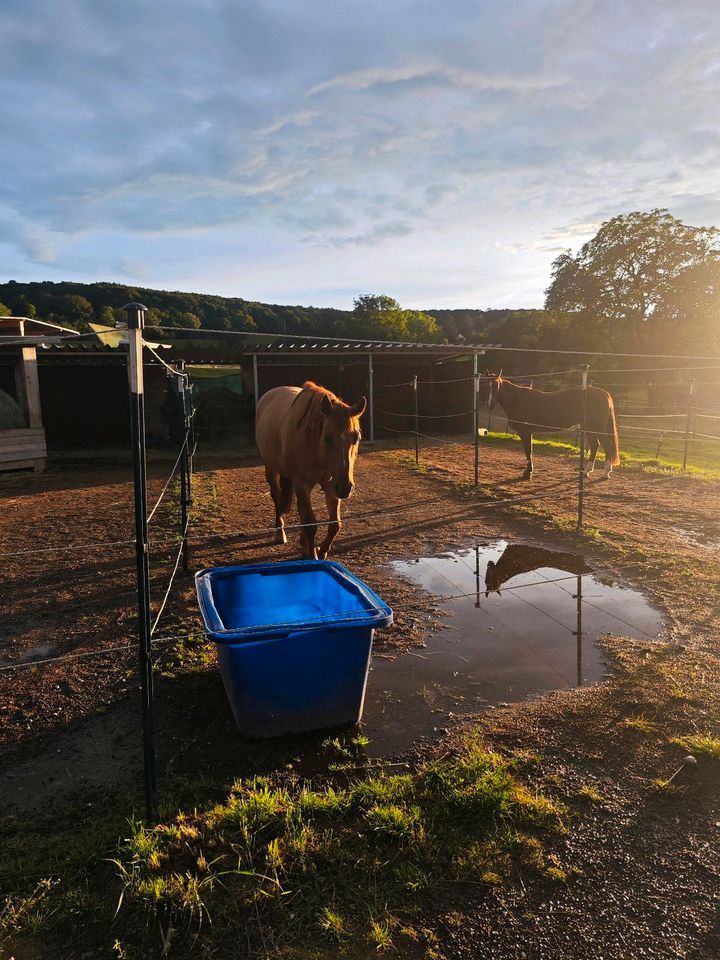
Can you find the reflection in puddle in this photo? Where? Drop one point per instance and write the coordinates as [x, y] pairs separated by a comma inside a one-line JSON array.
[[524, 620]]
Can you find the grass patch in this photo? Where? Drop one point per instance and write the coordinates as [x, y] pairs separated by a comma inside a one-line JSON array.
[[640, 452], [45, 885], [641, 724], [667, 789], [701, 745], [590, 793], [286, 861]]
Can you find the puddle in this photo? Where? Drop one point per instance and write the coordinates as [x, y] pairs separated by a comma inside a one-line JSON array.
[[524, 620]]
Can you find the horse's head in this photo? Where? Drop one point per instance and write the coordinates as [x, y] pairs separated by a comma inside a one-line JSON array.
[[339, 440], [494, 380]]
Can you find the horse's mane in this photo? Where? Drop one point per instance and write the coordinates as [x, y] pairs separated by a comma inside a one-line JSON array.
[[310, 397], [316, 388]]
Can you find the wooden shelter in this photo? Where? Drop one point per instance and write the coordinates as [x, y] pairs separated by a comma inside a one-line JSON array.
[[23, 446]]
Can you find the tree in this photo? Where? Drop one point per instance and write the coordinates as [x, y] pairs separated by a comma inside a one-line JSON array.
[[5, 311], [630, 274], [379, 317], [688, 320], [23, 308], [76, 308]]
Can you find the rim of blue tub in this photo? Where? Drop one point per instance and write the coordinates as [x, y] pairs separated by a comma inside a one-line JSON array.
[[376, 614]]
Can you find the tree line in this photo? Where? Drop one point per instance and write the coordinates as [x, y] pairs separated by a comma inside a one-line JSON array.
[[646, 282]]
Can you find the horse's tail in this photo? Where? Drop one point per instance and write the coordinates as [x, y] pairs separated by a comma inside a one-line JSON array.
[[613, 434]]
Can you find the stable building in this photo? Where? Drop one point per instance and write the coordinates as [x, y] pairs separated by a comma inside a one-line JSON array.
[[22, 434]]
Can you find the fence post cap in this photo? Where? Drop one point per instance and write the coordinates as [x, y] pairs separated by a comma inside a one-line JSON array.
[[136, 315]]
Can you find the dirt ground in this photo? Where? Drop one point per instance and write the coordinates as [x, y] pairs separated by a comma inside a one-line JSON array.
[[642, 862]]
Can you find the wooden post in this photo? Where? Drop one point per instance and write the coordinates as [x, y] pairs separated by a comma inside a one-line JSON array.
[[31, 450], [688, 416], [659, 446], [31, 387], [583, 424]]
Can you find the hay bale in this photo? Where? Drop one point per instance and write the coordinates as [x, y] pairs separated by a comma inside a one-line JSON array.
[[11, 416]]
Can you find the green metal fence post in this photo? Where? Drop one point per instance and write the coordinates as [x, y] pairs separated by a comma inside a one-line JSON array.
[[581, 482]]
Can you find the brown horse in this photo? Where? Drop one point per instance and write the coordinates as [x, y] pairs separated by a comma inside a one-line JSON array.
[[535, 411], [307, 437], [520, 558]]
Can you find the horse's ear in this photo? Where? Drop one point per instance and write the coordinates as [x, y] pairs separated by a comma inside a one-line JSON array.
[[358, 409], [326, 405]]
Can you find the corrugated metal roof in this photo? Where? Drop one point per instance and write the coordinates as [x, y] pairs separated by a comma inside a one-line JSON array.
[[268, 345]]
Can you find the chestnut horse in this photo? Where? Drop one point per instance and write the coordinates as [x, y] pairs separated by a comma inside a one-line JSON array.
[[308, 437], [536, 411]]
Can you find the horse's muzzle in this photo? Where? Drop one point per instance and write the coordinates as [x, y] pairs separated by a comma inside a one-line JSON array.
[[344, 490]]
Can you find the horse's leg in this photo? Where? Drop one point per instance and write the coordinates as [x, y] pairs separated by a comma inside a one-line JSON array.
[[593, 443], [609, 453], [334, 523], [526, 437], [287, 492], [308, 518], [276, 493]]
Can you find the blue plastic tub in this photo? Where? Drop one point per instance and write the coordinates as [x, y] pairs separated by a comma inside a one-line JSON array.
[[293, 642]]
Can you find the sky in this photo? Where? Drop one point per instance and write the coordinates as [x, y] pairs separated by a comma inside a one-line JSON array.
[[307, 152]]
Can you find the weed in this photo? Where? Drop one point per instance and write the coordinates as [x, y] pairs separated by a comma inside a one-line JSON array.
[[332, 923], [667, 789], [25, 912], [346, 747], [380, 933], [641, 724], [530, 850], [454, 919], [537, 808], [525, 758], [702, 744], [590, 793], [393, 823]]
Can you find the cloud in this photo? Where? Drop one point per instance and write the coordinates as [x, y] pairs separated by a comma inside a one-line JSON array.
[[465, 141], [361, 80]]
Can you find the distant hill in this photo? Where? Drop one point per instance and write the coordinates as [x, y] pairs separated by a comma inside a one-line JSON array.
[[76, 304]]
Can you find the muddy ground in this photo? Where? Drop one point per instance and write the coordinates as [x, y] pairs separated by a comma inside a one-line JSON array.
[[641, 862]]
